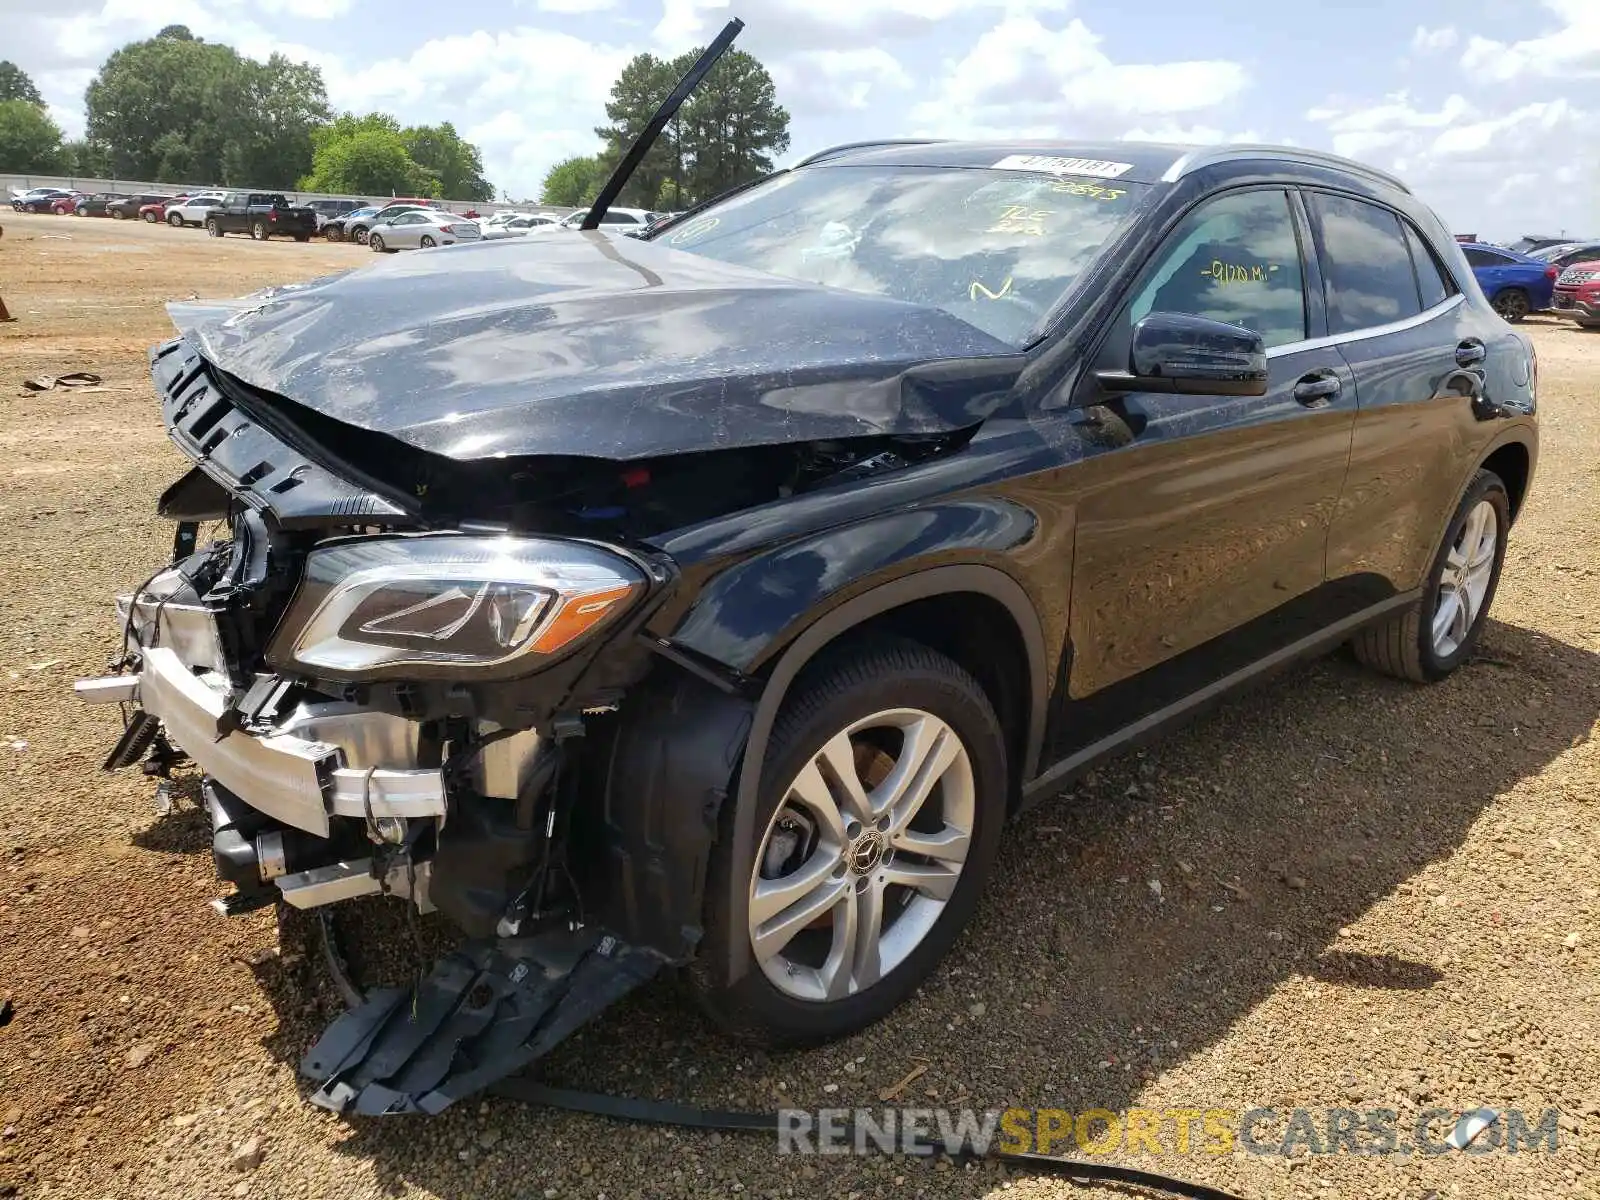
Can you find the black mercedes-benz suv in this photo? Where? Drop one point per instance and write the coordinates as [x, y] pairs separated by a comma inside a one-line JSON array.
[[711, 600]]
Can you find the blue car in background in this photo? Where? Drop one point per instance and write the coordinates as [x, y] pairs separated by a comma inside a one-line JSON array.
[[1516, 284]]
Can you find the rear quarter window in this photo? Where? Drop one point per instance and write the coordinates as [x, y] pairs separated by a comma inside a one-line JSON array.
[[1433, 281]]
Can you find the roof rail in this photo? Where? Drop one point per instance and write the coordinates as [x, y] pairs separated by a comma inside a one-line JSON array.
[[1211, 155], [835, 151]]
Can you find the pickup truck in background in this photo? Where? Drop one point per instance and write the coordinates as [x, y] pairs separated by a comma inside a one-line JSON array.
[[262, 215]]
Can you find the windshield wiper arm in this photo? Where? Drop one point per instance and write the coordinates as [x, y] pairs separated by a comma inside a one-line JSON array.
[[648, 135]]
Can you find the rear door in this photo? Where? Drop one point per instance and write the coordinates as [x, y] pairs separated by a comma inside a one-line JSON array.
[[1202, 527], [1418, 350]]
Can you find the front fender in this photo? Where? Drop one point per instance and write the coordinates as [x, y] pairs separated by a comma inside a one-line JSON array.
[[750, 610]]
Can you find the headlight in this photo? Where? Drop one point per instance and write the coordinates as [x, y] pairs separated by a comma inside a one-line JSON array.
[[451, 606]]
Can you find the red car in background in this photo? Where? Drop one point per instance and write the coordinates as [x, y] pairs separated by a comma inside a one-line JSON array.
[[1577, 293], [158, 211], [65, 206]]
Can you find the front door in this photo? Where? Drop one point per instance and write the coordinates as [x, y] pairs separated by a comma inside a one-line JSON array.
[[1201, 527]]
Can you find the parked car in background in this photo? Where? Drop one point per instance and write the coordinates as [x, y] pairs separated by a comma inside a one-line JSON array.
[[156, 210], [1532, 242], [263, 215], [130, 206], [518, 225], [192, 211], [1577, 293], [329, 210], [38, 200], [637, 217], [357, 228], [98, 204], [1564, 254], [421, 229], [66, 205], [336, 229], [1515, 284]]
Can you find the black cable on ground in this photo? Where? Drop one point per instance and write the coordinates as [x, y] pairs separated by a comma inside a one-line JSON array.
[[691, 1116]]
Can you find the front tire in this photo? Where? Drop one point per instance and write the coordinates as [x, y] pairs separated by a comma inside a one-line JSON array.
[[877, 818], [1438, 633], [1512, 304]]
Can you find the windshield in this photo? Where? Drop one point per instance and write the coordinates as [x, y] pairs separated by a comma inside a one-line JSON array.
[[997, 248]]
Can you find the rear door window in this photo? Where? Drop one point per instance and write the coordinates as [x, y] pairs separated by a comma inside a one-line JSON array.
[[1484, 258], [1366, 267]]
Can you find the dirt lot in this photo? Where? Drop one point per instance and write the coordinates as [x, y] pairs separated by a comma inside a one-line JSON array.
[[1340, 891]]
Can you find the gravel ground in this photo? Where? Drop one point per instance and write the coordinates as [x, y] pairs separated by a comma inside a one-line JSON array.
[[1338, 891]]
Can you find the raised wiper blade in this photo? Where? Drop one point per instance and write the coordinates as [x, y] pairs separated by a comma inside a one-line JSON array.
[[648, 135]]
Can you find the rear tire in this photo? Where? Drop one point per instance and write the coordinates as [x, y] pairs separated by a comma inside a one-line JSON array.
[[846, 871], [1430, 639], [118, 215], [258, 230], [150, 217], [375, 243], [427, 242], [1512, 304], [212, 228], [175, 220]]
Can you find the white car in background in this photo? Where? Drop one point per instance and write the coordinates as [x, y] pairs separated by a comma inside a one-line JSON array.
[[193, 210], [517, 225], [422, 229], [627, 218]]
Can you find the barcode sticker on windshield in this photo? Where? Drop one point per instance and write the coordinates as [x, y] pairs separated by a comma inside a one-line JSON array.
[[1099, 168]]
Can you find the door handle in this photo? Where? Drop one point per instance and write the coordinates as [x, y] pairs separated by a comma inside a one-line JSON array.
[[1317, 391], [1470, 353]]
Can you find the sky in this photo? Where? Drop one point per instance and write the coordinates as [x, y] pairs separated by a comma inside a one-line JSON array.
[[1486, 107]]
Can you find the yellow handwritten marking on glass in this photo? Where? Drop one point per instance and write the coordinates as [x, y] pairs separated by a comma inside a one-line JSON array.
[[977, 288], [1019, 218], [1227, 274], [694, 229], [1092, 190]]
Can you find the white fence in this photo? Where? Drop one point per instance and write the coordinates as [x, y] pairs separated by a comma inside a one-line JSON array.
[[132, 187]]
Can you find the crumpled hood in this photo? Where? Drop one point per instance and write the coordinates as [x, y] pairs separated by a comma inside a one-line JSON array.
[[602, 346]]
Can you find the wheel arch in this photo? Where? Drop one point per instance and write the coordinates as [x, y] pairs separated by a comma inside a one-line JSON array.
[[1512, 461], [910, 605]]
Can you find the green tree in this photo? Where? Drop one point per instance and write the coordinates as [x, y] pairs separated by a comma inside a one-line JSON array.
[[573, 182], [732, 126], [180, 109], [457, 164], [726, 133], [15, 84], [29, 140], [637, 93], [86, 160], [369, 161]]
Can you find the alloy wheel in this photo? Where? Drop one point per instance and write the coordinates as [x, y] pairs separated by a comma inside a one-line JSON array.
[[1512, 306], [427, 242], [174, 220], [1464, 582], [862, 855]]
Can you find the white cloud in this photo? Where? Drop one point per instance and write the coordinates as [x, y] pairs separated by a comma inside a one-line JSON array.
[[819, 82], [574, 6], [1572, 50], [1022, 79], [1482, 170], [1427, 41]]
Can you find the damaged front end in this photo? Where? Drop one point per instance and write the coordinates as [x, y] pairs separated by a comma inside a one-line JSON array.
[[379, 702]]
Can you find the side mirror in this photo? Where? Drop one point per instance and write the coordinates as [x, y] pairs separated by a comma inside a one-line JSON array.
[[1191, 356]]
